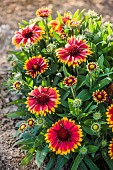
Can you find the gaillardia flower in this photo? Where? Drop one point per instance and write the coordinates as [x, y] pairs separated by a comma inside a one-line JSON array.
[[30, 122], [43, 100], [92, 66], [22, 127], [43, 12], [17, 85], [70, 81], [29, 34], [36, 65], [99, 96], [74, 53], [64, 136], [109, 114], [110, 152]]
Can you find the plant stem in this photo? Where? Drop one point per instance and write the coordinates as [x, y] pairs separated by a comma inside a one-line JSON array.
[[72, 92], [90, 80]]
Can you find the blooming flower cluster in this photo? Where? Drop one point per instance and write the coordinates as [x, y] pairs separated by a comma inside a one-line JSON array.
[[63, 79]]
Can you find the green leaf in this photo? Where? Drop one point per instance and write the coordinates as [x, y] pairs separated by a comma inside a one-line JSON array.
[[50, 163], [24, 141], [40, 156], [65, 71], [59, 17], [100, 61], [83, 166], [16, 114], [76, 14], [77, 161], [84, 95], [18, 101], [108, 160], [90, 163], [87, 130], [101, 84], [27, 159], [56, 79], [92, 148], [61, 160]]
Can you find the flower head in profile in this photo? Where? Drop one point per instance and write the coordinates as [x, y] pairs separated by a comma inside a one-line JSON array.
[[67, 17], [92, 66], [70, 81], [110, 151], [64, 136], [99, 96], [43, 12], [17, 85], [74, 53], [36, 65], [22, 127], [109, 114], [56, 26], [29, 34], [30, 122], [42, 100]]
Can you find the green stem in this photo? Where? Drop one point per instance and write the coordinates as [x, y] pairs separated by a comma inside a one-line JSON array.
[[47, 30], [91, 80], [72, 92]]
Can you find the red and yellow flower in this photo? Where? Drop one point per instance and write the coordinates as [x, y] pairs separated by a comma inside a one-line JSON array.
[[30, 122], [110, 151], [17, 85], [56, 26], [64, 136], [67, 17], [99, 96], [92, 66], [70, 81], [43, 12], [29, 34], [43, 100], [36, 65], [74, 53], [109, 114], [22, 127]]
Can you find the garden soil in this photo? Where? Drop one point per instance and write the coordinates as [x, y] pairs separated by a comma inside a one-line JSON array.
[[12, 12]]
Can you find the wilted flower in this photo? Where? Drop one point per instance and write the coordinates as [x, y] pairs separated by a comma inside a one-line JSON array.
[[74, 53], [64, 136], [70, 81], [36, 65], [43, 12], [29, 34], [99, 96], [43, 100], [110, 151]]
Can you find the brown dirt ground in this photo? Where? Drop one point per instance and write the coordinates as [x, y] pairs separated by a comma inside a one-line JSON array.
[[12, 12]]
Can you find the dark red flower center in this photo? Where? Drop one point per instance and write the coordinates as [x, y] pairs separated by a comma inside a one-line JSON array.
[[74, 51], [28, 34], [43, 99], [63, 134], [36, 67], [92, 66]]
